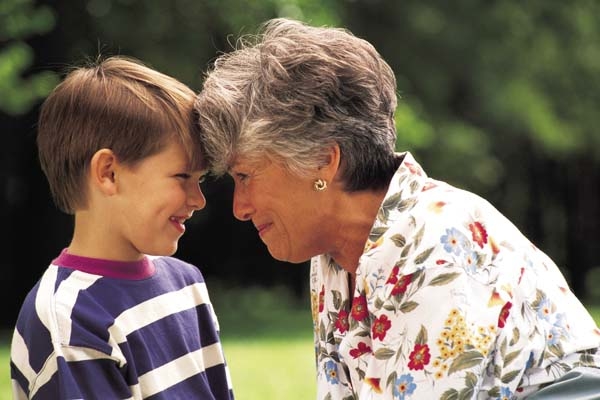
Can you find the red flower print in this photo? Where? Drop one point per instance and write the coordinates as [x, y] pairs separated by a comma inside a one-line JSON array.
[[322, 298], [361, 349], [479, 233], [521, 275], [401, 285], [441, 262], [374, 383], [359, 308], [341, 323], [419, 357], [494, 246], [393, 278], [437, 206], [428, 185], [413, 168], [504, 313], [380, 327]]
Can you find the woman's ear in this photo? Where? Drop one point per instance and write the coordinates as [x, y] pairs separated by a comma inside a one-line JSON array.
[[331, 164], [102, 171]]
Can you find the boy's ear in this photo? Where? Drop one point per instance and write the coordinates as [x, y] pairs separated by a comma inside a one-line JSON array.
[[102, 171]]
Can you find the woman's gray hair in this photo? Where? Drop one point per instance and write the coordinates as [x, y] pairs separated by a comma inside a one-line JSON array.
[[290, 93]]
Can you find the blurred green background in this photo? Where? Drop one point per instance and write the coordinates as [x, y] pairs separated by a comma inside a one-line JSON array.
[[498, 97]]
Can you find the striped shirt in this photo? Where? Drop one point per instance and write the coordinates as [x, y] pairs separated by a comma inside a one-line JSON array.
[[99, 329]]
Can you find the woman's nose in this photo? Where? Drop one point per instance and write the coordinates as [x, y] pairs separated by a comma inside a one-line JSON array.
[[242, 208], [196, 198]]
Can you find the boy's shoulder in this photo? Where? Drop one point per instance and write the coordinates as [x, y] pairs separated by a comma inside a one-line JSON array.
[[176, 265]]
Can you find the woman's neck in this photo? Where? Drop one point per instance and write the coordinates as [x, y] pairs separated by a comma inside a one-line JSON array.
[[357, 212]]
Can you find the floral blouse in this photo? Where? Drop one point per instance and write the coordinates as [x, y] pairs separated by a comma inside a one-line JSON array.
[[451, 302]]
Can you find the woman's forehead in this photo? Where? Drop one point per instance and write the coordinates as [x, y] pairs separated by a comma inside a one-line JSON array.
[[247, 162]]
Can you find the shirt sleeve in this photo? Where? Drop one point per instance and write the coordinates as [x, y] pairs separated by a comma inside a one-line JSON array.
[[89, 374]]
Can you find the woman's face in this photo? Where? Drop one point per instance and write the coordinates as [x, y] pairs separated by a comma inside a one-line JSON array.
[[284, 208]]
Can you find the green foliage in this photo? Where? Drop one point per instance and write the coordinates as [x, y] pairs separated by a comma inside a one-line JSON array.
[[260, 312], [490, 71], [184, 36], [18, 21], [545, 67]]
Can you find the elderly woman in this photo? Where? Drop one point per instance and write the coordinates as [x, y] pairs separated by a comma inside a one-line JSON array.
[[419, 290]]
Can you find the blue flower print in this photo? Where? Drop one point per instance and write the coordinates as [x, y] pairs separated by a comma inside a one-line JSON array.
[[505, 394], [529, 361], [471, 259], [404, 386], [559, 329], [553, 336], [545, 309], [331, 372], [454, 241]]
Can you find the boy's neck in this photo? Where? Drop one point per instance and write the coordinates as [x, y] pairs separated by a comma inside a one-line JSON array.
[[94, 238]]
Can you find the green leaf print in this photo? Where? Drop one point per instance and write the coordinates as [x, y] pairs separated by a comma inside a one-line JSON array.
[[515, 337], [337, 299], [384, 354], [376, 233], [465, 360], [408, 306], [406, 250], [414, 186], [444, 279], [399, 240], [510, 357], [470, 380], [506, 378], [420, 259], [450, 394], [391, 202], [407, 204], [421, 336], [391, 379], [494, 392], [557, 350], [419, 236], [466, 394]]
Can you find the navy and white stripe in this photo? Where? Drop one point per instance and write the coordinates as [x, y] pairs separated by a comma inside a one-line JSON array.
[[148, 333]]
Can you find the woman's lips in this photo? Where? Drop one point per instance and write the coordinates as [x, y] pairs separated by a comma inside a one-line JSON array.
[[262, 228]]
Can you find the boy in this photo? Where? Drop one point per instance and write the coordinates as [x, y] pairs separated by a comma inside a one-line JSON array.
[[105, 321]]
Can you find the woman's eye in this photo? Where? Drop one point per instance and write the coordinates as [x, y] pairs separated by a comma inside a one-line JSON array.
[[242, 177], [183, 175]]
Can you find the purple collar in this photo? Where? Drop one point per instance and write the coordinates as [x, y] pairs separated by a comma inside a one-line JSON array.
[[131, 270]]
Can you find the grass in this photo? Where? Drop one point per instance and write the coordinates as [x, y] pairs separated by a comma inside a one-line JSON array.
[[267, 339]]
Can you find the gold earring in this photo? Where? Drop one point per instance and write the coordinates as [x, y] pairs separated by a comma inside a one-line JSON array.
[[320, 185]]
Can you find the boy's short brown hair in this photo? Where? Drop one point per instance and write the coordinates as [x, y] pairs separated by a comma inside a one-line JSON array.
[[116, 103]]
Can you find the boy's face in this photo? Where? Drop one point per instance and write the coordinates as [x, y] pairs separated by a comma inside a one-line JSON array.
[[155, 198]]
